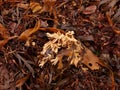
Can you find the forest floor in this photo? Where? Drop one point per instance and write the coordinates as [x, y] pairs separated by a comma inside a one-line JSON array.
[[36, 55]]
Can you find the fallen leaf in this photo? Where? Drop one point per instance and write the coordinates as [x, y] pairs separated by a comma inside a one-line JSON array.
[[22, 81], [26, 34], [90, 60], [109, 19], [4, 35], [3, 42], [51, 29], [90, 9], [22, 5], [3, 31], [48, 6], [116, 30], [35, 7]]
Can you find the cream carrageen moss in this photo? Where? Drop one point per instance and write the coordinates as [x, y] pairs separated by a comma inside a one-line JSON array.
[[60, 45]]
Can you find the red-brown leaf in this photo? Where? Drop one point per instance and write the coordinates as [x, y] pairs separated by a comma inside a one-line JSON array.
[[90, 9], [21, 81]]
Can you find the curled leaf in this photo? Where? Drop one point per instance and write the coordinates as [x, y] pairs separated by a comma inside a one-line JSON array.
[[26, 34], [35, 7]]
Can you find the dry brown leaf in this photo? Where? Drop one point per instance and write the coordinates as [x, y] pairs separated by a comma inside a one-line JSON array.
[[3, 31], [90, 60], [26, 34], [48, 6], [35, 7], [93, 62], [3, 42], [22, 81], [90, 9], [51, 29], [22, 5], [4, 35], [109, 19], [117, 31]]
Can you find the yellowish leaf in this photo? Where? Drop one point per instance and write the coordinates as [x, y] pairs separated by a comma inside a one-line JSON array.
[[35, 7], [61, 45]]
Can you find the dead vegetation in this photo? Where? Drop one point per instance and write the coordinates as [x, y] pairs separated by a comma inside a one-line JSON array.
[[59, 44]]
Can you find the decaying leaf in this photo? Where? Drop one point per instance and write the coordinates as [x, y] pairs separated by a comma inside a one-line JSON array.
[[4, 35], [51, 29], [22, 5], [3, 32], [35, 7], [3, 42], [48, 6], [26, 34], [21, 81], [90, 9], [90, 60], [66, 45]]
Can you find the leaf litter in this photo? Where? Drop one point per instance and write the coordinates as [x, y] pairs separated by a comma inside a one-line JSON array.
[[58, 44]]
